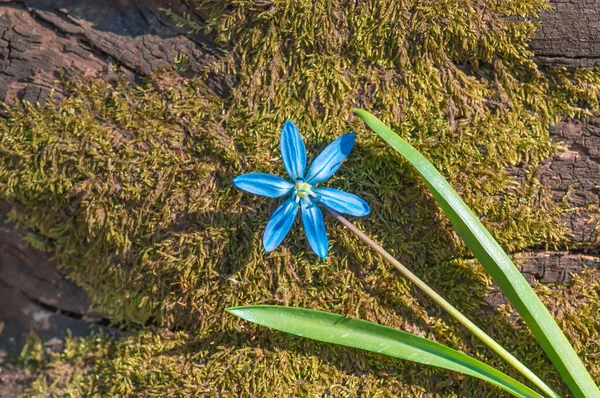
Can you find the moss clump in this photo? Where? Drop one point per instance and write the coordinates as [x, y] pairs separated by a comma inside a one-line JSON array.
[[131, 188], [248, 361]]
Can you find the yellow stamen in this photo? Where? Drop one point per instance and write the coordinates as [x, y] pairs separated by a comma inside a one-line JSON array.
[[302, 189]]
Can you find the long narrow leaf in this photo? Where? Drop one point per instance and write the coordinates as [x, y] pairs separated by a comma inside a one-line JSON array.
[[497, 264], [337, 329]]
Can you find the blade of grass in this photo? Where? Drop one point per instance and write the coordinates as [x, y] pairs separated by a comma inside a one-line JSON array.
[[337, 329], [497, 263], [466, 322]]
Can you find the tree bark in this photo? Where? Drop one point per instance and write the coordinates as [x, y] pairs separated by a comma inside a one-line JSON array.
[[569, 34]]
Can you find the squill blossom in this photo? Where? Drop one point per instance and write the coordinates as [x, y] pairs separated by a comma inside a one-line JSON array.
[[302, 191]]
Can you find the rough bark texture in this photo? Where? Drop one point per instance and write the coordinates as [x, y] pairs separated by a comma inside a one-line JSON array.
[[550, 267], [574, 175], [40, 39], [34, 295], [569, 34]]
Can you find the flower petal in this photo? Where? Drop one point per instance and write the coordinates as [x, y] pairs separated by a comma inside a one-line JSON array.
[[280, 223], [312, 218], [343, 202], [263, 184], [293, 151], [330, 159]]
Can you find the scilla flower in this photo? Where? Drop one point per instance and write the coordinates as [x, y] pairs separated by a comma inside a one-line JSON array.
[[302, 190]]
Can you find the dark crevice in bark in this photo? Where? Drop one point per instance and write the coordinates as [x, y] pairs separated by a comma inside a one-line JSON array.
[[562, 56], [96, 320]]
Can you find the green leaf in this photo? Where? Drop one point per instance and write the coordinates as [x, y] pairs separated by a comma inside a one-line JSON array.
[[337, 329], [497, 264]]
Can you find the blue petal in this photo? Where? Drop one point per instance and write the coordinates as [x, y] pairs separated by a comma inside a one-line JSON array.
[[263, 184], [312, 218], [293, 151], [280, 223], [330, 159], [342, 202]]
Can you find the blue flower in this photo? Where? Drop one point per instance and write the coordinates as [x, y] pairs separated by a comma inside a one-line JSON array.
[[302, 191]]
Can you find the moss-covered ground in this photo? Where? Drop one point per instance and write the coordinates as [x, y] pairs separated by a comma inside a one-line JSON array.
[[130, 188]]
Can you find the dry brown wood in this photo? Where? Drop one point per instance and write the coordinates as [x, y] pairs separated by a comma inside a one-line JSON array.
[[569, 34], [34, 295], [40, 39]]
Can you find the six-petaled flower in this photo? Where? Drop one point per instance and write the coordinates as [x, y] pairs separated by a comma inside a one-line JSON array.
[[302, 190]]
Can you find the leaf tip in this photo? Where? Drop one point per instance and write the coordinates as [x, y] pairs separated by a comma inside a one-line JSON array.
[[237, 311], [358, 112]]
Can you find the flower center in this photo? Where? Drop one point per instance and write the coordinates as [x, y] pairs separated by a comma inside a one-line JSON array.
[[302, 189]]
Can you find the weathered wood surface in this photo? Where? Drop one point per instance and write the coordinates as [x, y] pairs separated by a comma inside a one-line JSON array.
[[35, 295], [569, 35], [40, 39]]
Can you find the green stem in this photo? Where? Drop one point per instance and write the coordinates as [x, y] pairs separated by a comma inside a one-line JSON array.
[[507, 356]]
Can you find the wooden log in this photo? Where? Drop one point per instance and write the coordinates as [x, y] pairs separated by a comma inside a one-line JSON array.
[[569, 34]]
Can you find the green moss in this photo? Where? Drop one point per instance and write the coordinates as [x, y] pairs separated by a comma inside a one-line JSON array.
[[130, 186], [244, 360]]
